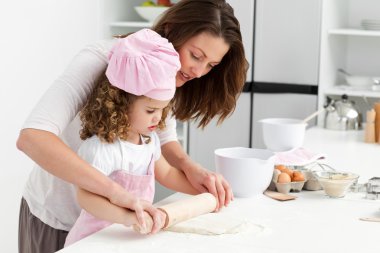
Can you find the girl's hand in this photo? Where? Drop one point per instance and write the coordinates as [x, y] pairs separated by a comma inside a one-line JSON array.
[[150, 224], [122, 198]]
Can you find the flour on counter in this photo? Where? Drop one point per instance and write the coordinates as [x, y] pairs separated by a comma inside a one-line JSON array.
[[216, 224]]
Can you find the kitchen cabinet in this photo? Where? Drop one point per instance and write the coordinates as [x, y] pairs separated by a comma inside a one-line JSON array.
[[286, 61], [346, 45], [287, 38], [244, 10]]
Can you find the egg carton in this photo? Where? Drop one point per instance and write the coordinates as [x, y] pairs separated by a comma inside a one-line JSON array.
[[289, 187]]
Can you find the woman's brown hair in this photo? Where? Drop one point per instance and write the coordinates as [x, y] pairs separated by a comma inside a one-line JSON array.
[[217, 92], [105, 113]]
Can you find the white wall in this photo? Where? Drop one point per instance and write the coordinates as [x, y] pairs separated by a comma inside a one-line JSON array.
[[37, 40]]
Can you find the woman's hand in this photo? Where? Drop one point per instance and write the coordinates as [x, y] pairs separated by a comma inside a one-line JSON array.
[[207, 181], [200, 178]]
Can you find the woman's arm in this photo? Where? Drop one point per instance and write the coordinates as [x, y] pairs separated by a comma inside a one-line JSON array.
[[52, 154], [200, 178], [172, 178]]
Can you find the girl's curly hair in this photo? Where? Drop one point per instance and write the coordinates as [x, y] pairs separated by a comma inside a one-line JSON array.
[[105, 113]]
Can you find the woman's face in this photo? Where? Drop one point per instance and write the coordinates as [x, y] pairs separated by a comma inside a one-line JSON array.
[[199, 55]]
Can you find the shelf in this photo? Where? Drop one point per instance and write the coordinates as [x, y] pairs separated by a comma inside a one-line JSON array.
[[350, 92], [131, 24], [354, 32]]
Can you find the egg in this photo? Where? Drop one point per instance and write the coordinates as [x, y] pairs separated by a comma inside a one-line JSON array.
[[284, 178], [298, 176], [285, 169], [280, 167]]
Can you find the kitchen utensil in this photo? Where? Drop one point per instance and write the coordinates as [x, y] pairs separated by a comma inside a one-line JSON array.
[[342, 115], [373, 219], [248, 171], [283, 134], [311, 116], [182, 210], [373, 188], [186, 209], [279, 196], [344, 72]]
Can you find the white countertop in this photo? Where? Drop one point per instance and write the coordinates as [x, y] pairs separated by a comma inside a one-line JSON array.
[[312, 223], [345, 150]]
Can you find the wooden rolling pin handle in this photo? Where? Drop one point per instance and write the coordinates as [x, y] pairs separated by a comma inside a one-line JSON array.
[[188, 208]]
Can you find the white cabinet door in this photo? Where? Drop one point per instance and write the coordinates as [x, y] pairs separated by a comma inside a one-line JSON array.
[[244, 12], [287, 38], [234, 131]]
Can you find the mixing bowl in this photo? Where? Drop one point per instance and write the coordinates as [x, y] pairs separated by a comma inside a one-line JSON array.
[[335, 184], [283, 134], [248, 171]]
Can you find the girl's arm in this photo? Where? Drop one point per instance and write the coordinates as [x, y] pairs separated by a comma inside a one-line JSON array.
[[52, 154], [172, 178], [200, 178], [103, 209]]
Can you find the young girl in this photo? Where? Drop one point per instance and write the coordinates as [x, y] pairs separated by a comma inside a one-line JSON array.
[[130, 101]]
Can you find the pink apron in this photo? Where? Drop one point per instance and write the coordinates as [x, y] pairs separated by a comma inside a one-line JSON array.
[[141, 186]]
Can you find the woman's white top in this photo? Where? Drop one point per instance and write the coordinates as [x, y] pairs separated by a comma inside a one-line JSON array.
[[49, 198]]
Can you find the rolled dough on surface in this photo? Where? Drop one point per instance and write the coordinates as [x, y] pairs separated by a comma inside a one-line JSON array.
[[216, 224]]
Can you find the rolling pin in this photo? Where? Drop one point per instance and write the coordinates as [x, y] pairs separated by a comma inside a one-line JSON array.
[[186, 209], [183, 210]]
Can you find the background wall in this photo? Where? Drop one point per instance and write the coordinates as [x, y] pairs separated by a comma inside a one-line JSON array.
[[38, 39]]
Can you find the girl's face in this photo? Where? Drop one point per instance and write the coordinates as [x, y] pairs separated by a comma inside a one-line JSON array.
[[199, 55], [144, 117]]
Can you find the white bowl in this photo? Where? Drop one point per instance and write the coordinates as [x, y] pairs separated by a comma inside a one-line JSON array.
[[150, 13], [283, 134], [360, 81], [248, 171]]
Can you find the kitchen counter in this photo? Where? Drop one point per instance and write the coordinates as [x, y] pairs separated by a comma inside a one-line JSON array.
[[345, 150], [309, 224]]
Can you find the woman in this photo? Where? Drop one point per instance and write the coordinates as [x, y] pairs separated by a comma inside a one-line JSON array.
[[207, 37]]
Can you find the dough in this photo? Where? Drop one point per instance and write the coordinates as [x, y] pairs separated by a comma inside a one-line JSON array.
[[215, 224]]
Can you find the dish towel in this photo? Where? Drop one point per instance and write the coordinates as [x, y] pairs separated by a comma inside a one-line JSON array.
[[297, 157]]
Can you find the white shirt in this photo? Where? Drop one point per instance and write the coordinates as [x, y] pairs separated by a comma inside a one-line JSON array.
[[49, 198], [120, 155]]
